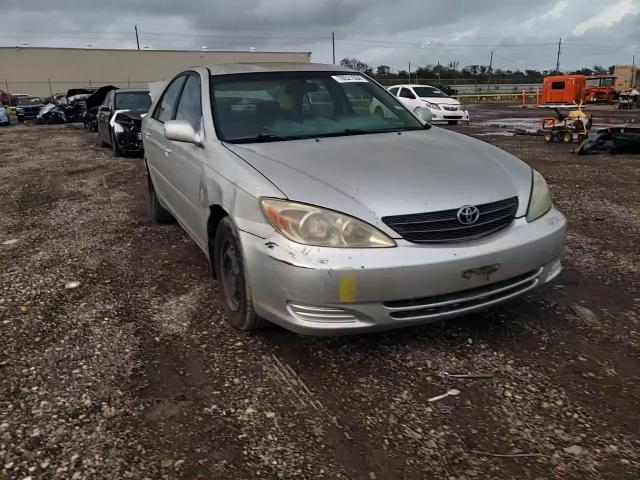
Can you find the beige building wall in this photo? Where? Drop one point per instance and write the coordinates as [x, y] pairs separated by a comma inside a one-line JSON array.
[[42, 71]]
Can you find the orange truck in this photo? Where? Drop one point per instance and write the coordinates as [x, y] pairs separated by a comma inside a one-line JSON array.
[[578, 88]]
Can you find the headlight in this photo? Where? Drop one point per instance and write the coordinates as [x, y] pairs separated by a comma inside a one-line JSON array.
[[316, 226], [540, 201], [435, 106]]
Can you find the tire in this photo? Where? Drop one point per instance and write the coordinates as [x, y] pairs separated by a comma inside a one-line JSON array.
[[452, 122], [117, 151], [159, 214], [548, 137], [102, 142], [232, 278], [567, 137]]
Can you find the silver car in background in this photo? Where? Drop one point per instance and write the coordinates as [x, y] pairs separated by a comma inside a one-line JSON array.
[[325, 218]]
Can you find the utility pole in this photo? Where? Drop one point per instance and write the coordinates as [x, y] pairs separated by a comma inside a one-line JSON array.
[[409, 71], [137, 38], [333, 46], [558, 58], [489, 71], [438, 71]]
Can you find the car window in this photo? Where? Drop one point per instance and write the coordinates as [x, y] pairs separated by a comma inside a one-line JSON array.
[[166, 106], [429, 92], [557, 85], [133, 101], [394, 90], [406, 93], [190, 104], [280, 106]]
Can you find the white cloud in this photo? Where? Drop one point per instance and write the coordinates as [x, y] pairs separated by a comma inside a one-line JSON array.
[[557, 10], [609, 16]]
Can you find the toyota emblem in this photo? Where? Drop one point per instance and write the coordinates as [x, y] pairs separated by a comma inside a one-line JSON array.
[[468, 215]]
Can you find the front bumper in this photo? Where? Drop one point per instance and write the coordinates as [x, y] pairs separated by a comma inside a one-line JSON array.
[[449, 115], [330, 291]]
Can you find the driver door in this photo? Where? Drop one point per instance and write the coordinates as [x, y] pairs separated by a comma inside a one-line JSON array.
[[103, 116], [407, 98]]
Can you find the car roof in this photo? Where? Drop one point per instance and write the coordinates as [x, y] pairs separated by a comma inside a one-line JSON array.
[[413, 85], [262, 67], [130, 90]]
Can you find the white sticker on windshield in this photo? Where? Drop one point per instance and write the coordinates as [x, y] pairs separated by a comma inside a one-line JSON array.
[[349, 78]]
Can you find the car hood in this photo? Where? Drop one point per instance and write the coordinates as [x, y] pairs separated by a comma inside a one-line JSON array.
[[375, 175], [441, 100]]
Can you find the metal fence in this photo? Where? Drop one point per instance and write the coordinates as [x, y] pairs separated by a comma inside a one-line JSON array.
[[472, 85], [47, 87]]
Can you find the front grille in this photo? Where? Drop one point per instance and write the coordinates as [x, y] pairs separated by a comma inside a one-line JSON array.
[[443, 226], [461, 301], [451, 109]]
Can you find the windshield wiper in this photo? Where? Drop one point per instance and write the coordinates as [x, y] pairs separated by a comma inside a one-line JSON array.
[[263, 137]]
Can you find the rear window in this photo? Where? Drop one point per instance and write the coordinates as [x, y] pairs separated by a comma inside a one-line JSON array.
[[133, 101], [557, 85]]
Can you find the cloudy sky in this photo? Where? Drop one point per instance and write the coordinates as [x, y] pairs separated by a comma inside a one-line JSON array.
[[522, 34]]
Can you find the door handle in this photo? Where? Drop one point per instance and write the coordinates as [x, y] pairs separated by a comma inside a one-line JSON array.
[[147, 134], [166, 149]]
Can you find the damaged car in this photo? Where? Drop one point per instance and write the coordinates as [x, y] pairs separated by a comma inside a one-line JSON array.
[[92, 104], [119, 120], [326, 218]]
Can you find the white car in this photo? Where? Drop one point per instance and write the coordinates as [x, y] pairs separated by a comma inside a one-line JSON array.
[[443, 108]]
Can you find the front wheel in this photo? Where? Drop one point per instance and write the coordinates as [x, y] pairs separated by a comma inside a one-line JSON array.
[[567, 137], [117, 151], [230, 271]]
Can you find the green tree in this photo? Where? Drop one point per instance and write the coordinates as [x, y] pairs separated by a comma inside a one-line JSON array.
[[356, 64]]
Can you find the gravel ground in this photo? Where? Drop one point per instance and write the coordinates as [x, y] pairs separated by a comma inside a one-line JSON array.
[[133, 372]]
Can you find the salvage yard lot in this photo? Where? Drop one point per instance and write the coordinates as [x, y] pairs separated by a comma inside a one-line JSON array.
[[135, 374]]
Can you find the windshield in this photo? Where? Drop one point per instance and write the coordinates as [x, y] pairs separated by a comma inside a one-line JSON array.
[[133, 101], [29, 101], [275, 106], [600, 82], [423, 92]]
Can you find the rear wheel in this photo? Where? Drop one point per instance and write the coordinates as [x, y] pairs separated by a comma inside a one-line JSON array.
[[159, 214], [230, 271], [567, 137]]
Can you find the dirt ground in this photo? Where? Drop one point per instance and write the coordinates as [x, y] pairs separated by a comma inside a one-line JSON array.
[[135, 374]]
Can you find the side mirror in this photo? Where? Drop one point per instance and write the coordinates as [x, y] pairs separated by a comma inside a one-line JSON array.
[[424, 114], [181, 131]]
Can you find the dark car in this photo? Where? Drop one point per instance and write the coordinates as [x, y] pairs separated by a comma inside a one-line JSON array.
[[119, 120], [92, 104], [28, 107]]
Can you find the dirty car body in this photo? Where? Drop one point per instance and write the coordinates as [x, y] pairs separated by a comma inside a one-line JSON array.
[[343, 221]]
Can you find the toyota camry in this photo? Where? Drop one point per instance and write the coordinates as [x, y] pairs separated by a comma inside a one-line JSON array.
[[321, 216]]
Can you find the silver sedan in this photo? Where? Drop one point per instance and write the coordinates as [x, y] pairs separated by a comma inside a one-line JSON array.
[[325, 218]]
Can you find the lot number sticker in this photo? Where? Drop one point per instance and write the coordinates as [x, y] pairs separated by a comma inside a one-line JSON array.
[[349, 78]]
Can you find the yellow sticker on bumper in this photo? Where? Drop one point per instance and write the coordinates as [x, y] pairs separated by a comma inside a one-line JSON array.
[[348, 287]]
